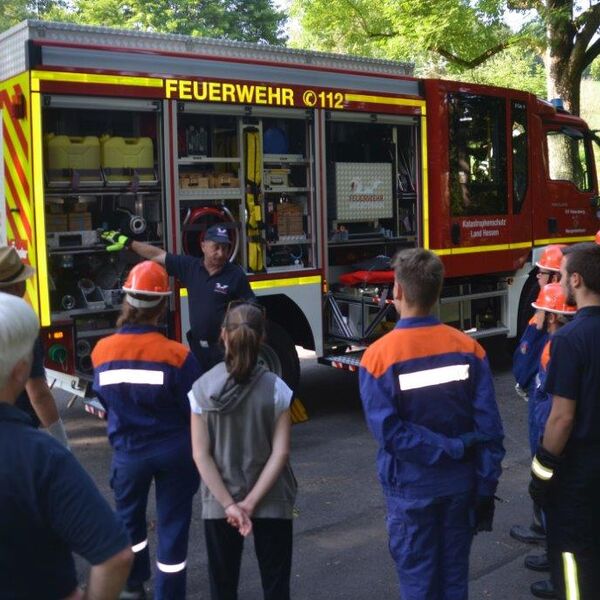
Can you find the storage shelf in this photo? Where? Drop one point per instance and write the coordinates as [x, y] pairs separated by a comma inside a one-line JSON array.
[[285, 159], [68, 192], [285, 268], [210, 194], [284, 190], [299, 241], [82, 312], [374, 241], [92, 333], [90, 249], [199, 160]]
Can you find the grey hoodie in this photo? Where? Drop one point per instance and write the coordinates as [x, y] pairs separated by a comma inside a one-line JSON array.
[[241, 422]]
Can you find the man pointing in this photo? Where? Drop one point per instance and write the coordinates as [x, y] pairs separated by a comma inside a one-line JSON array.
[[212, 282]]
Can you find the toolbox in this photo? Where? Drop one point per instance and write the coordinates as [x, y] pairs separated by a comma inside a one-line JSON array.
[[80, 221], [276, 178], [57, 222], [220, 180], [194, 180], [71, 239], [290, 220]]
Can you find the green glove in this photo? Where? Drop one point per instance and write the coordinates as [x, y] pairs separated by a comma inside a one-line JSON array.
[[115, 240]]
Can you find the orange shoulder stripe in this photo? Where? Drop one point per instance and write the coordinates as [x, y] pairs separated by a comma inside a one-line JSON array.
[[149, 347], [545, 358], [401, 345]]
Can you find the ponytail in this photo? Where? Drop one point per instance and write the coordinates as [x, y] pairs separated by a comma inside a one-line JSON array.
[[244, 328]]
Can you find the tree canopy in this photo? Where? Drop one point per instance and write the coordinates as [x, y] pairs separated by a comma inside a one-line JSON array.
[[242, 20], [464, 34]]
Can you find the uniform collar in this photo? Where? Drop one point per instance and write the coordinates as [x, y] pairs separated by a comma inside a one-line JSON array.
[[417, 322], [588, 311], [130, 328], [9, 412], [223, 269]]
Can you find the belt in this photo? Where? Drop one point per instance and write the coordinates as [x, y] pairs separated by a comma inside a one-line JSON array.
[[201, 343]]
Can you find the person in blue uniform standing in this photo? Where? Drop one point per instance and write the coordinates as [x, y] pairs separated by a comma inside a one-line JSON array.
[[526, 360], [212, 282], [565, 471], [552, 303], [49, 506], [36, 399], [429, 400], [142, 379]]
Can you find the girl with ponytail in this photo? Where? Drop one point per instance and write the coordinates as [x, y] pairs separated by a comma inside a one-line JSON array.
[[241, 444]]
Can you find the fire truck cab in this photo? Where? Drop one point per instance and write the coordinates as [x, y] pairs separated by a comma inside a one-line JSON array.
[[321, 166]]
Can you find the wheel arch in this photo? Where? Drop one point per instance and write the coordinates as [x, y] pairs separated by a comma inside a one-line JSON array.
[[281, 309]]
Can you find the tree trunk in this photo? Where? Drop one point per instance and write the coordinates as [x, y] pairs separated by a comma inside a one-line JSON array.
[[563, 84], [564, 78]]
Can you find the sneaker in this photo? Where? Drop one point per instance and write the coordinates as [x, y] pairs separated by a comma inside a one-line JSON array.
[[528, 535], [133, 592], [543, 589], [537, 562]]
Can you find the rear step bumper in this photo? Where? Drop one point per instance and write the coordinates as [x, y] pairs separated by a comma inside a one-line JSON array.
[[350, 361], [93, 406]]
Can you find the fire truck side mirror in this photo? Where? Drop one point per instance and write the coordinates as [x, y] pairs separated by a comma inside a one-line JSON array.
[[455, 233]]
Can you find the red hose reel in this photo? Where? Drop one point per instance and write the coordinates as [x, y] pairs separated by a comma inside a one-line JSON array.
[[205, 217]]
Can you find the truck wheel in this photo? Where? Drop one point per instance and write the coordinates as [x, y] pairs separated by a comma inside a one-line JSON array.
[[278, 354], [529, 294]]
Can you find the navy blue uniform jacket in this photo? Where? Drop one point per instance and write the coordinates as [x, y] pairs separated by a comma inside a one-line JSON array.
[[422, 385]]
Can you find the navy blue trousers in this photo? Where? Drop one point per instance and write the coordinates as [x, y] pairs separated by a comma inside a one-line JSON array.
[[176, 481], [430, 541], [573, 525]]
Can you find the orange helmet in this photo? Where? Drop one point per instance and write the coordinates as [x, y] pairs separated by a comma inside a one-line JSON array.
[[598, 237], [552, 299], [147, 279], [551, 257]]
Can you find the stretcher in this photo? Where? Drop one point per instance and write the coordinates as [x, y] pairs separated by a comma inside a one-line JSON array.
[[361, 305]]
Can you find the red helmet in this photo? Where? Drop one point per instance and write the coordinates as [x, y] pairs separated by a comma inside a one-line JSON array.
[[552, 299], [147, 279], [551, 257]]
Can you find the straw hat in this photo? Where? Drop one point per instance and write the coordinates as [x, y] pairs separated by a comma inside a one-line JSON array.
[[12, 270]]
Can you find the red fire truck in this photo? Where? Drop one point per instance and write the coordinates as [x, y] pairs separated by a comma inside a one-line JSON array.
[[322, 166]]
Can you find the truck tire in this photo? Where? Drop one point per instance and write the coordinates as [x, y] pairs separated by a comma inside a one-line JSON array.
[[278, 354], [529, 294]]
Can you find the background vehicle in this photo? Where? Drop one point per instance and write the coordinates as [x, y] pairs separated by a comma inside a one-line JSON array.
[[318, 163]]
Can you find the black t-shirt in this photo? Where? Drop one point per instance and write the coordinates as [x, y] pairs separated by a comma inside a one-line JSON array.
[[49, 507], [208, 295], [574, 371], [37, 370]]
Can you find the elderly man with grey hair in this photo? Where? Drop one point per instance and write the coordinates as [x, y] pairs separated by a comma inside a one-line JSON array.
[[36, 399], [49, 506]]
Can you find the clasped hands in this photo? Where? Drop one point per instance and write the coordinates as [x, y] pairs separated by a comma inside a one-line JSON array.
[[239, 515]]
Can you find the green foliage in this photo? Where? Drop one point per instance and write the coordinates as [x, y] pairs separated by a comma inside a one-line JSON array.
[[595, 70], [462, 29], [242, 20], [15, 11], [446, 38], [513, 68]]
